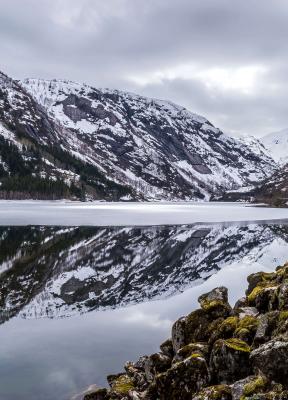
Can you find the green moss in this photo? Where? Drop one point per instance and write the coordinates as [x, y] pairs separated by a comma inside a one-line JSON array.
[[255, 386], [212, 305], [196, 355], [192, 349], [255, 292], [123, 385], [237, 344], [230, 324], [283, 316], [248, 322]]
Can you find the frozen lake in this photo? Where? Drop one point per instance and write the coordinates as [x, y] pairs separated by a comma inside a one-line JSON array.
[[130, 214]]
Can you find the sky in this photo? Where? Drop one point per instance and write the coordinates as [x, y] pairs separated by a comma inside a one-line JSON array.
[[224, 59]]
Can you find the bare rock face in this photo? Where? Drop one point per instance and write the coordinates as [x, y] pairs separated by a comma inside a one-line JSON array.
[[217, 353]]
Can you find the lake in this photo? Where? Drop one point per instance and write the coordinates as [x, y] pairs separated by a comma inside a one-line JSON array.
[[77, 300]]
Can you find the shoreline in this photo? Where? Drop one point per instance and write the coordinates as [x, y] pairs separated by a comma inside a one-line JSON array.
[[216, 352]]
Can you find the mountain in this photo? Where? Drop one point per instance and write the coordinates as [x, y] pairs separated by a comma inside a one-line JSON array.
[[274, 190], [57, 272], [63, 139], [277, 144]]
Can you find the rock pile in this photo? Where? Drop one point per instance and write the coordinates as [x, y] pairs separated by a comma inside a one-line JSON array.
[[217, 352]]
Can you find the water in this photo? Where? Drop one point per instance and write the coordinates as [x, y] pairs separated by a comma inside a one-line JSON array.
[[77, 302]]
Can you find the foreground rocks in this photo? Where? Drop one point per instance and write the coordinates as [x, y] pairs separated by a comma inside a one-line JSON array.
[[217, 352]]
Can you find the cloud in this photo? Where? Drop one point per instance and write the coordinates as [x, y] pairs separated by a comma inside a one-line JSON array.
[[225, 59]]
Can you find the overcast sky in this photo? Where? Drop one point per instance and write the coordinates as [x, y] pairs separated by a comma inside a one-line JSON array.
[[224, 59]]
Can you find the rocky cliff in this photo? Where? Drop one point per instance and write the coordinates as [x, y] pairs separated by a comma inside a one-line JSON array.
[[217, 352]]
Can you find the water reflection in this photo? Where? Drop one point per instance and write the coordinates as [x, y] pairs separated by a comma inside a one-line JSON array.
[[59, 272]]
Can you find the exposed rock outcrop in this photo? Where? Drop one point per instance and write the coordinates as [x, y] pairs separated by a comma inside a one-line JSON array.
[[217, 352]]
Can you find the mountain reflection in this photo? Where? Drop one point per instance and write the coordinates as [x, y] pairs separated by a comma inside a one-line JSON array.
[[56, 272]]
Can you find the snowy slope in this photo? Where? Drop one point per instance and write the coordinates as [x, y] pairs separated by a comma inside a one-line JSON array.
[[277, 144], [160, 149]]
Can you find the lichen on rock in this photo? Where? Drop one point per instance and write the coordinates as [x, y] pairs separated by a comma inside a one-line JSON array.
[[216, 352]]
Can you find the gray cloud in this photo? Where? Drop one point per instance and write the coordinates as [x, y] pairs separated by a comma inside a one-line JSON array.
[[224, 59]]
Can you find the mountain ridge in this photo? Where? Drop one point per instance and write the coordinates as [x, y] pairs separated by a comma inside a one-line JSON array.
[[112, 145]]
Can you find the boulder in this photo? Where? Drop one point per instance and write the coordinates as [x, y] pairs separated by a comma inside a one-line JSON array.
[[167, 348], [229, 361], [183, 379], [264, 297], [266, 325], [259, 279], [155, 364], [138, 375], [178, 334], [248, 386], [200, 349], [215, 302], [272, 360], [197, 327]]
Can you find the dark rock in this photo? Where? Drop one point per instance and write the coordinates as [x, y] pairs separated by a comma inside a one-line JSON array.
[[267, 323], [183, 379], [248, 386], [229, 361], [216, 302], [178, 334], [156, 363], [283, 296], [196, 327], [138, 375], [218, 392], [167, 348], [272, 360], [195, 349], [96, 394], [258, 278], [240, 303]]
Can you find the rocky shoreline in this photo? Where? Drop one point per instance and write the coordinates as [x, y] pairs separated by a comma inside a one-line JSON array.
[[217, 352]]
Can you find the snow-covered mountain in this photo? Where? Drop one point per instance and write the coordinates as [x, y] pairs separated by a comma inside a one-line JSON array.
[[55, 272], [277, 144], [107, 144]]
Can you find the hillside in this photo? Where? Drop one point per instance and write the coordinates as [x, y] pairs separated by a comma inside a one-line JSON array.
[[277, 144], [62, 139]]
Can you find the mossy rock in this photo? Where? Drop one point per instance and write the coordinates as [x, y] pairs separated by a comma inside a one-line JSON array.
[[246, 328], [229, 360], [238, 345], [122, 385], [258, 279], [258, 385], [217, 392], [228, 326], [196, 327], [264, 296], [215, 302], [192, 349], [183, 379], [271, 359]]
